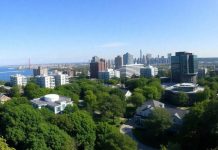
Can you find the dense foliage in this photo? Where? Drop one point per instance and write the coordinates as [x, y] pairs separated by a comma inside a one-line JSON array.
[[109, 138], [4, 145], [95, 125], [24, 128], [200, 126]]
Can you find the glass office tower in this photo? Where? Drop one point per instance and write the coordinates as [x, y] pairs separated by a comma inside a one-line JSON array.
[[184, 67]]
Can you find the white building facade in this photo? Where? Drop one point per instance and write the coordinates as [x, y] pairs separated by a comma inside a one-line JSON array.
[[130, 70], [18, 80], [45, 81], [61, 79], [148, 71]]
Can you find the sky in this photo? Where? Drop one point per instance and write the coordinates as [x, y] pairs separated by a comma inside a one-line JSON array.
[[59, 31]]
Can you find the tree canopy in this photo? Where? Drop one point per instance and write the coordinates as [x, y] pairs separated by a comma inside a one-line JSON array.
[[109, 138], [158, 121]]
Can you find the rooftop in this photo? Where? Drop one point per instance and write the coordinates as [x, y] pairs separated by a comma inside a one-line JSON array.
[[179, 113], [50, 100], [183, 87]]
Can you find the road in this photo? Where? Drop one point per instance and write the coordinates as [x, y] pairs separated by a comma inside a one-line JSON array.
[[127, 129]]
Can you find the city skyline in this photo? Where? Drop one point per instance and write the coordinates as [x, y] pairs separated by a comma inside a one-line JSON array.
[[72, 31]]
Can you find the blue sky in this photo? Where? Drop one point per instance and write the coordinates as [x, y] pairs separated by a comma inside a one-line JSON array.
[[74, 30]]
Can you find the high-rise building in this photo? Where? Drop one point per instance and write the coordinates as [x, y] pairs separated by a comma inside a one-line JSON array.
[[61, 79], [148, 58], [184, 67], [144, 60], [118, 62], [18, 80], [169, 58], [45, 81], [40, 71], [148, 71], [97, 65], [110, 63], [140, 58], [128, 59]]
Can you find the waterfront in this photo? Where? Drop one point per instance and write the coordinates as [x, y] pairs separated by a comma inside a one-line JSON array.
[[6, 72]]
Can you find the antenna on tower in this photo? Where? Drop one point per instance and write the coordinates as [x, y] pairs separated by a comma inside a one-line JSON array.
[[29, 64], [140, 59]]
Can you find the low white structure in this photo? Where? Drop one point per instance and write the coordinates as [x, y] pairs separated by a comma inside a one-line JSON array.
[[18, 80], [148, 71], [45, 81], [130, 70], [52, 101], [127, 93], [188, 88]]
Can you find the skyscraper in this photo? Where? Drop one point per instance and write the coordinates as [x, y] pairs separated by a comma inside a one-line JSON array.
[[184, 67], [148, 58], [169, 58], [97, 65], [128, 59], [118, 62], [140, 59]]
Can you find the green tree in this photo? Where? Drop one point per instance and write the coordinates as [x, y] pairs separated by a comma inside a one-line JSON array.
[[137, 99], [136, 83], [118, 92], [200, 126], [182, 99], [83, 129], [32, 90], [15, 91], [90, 99], [108, 137], [70, 109], [56, 139], [4, 145], [204, 95], [151, 92], [158, 121], [25, 128], [112, 107]]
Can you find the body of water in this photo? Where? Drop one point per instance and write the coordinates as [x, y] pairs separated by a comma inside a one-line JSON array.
[[6, 72]]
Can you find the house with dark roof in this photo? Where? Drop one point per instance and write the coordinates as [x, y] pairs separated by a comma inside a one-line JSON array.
[[146, 109]]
